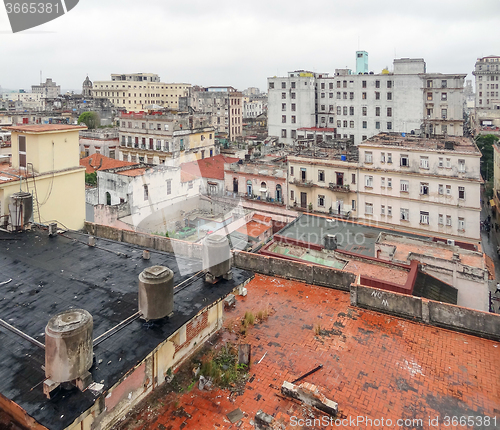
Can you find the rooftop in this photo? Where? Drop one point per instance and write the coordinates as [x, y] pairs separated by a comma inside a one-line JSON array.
[[448, 143], [100, 162], [133, 172], [44, 128], [210, 168], [374, 365], [42, 276]]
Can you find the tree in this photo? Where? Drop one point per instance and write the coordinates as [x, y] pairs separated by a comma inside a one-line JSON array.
[[90, 119], [485, 144], [91, 178]]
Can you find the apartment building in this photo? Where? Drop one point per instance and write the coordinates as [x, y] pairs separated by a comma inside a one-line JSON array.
[[324, 179], [138, 91], [48, 89], [362, 105], [427, 184], [223, 104], [99, 141], [486, 116], [158, 138]]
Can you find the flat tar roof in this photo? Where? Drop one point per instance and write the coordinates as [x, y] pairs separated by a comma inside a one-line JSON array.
[[49, 275]]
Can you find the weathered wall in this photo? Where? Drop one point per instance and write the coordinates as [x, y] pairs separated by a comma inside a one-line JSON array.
[[470, 321], [17, 415]]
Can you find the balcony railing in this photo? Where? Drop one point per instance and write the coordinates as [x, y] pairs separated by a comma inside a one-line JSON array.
[[341, 188], [302, 183]]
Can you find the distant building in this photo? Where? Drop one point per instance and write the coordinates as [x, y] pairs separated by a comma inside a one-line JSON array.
[[359, 106], [87, 88], [28, 101], [486, 116], [140, 91], [45, 163], [361, 62], [48, 90], [100, 141]]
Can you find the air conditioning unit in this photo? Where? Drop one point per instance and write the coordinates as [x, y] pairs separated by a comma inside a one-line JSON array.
[[450, 242]]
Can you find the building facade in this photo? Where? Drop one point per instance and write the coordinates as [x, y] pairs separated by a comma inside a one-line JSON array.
[[359, 106], [421, 184], [104, 141], [140, 91], [48, 90], [160, 138]]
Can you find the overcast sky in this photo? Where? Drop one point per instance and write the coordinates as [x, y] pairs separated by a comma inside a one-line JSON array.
[[241, 43]]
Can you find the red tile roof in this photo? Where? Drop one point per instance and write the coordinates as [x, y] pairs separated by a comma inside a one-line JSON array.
[[212, 168], [133, 172], [264, 218], [325, 129], [43, 128], [100, 162], [253, 229], [187, 177]]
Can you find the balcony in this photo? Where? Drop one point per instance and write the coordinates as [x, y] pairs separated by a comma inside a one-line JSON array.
[[340, 188], [302, 183]]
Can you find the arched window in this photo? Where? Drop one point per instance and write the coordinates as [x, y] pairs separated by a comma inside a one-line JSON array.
[[108, 199]]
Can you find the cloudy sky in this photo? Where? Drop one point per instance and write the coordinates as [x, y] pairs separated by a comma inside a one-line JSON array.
[[240, 43]]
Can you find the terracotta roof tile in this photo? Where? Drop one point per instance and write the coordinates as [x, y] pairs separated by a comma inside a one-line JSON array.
[[211, 168], [253, 229], [100, 162], [133, 172]]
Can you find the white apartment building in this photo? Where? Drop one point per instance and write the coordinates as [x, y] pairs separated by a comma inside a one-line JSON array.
[[486, 115], [421, 184], [362, 105], [30, 101], [48, 90], [140, 91]]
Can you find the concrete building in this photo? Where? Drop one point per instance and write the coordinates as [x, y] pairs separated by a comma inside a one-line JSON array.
[[100, 141], [28, 101], [48, 89], [139, 91], [421, 184], [87, 88], [158, 138], [486, 115], [253, 108], [45, 163], [224, 105], [359, 106], [324, 179]]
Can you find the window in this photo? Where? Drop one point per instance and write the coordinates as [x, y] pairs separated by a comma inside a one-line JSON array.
[[283, 85], [344, 84], [351, 124], [389, 84], [283, 118], [330, 85], [294, 119], [424, 162], [444, 113], [345, 110], [448, 220], [444, 83], [22, 151], [292, 84], [429, 83], [461, 166], [271, 85], [353, 205], [283, 132], [440, 219], [292, 96], [363, 96], [389, 210], [292, 195], [283, 95], [404, 186], [283, 106], [345, 125], [344, 95], [321, 201], [448, 190], [363, 84], [424, 188], [365, 125], [339, 110], [322, 85], [377, 84], [322, 95], [351, 96], [461, 224], [405, 214], [377, 125], [353, 178], [382, 209], [444, 96], [368, 157], [146, 192], [368, 208], [338, 84], [351, 110], [382, 157], [323, 107], [294, 134], [404, 161], [364, 111], [448, 163], [440, 162], [369, 181], [291, 170], [377, 95], [303, 174], [339, 96], [377, 111], [440, 189], [321, 175], [293, 107], [461, 192], [169, 186], [429, 97], [389, 96], [382, 182], [339, 123], [424, 217], [389, 111], [389, 182]]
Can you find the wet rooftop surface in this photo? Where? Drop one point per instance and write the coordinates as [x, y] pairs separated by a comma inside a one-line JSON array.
[[50, 275], [374, 365]]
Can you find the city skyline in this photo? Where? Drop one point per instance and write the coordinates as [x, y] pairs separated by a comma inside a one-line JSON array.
[[223, 43]]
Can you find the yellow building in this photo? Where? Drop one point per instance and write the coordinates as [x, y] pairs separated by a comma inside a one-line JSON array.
[[45, 162]]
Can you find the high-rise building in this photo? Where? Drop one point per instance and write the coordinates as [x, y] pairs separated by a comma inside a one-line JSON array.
[[361, 62], [487, 73]]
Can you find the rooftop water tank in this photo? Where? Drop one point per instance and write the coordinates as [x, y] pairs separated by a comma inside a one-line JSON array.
[[20, 209], [68, 345], [330, 242], [156, 292], [216, 255]]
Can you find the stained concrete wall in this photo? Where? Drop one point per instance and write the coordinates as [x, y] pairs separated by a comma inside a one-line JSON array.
[[470, 321]]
